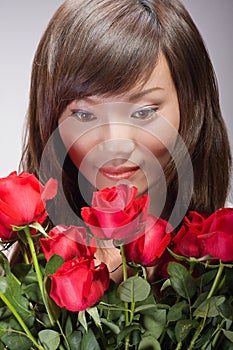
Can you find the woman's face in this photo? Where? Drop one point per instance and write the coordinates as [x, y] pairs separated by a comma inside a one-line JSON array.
[[125, 138]]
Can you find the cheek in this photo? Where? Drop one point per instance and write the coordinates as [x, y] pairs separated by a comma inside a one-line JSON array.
[[77, 146], [81, 149], [77, 154], [159, 138], [156, 150]]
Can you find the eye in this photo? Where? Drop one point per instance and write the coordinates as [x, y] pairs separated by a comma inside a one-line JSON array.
[[144, 113], [83, 116]]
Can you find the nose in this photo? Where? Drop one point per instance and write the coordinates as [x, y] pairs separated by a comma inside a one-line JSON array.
[[117, 140]]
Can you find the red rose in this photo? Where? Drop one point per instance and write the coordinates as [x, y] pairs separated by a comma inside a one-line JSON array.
[[162, 266], [219, 242], [22, 201], [149, 246], [187, 242], [78, 284], [116, 213], [68, 242], [206, 235]]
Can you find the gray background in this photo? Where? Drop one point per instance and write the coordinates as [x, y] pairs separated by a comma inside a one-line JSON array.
[[22, 23]]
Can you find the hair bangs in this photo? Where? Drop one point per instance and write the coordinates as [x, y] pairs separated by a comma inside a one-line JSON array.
[[110, 53]]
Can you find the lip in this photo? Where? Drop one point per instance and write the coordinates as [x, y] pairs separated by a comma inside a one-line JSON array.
[[116, 174]]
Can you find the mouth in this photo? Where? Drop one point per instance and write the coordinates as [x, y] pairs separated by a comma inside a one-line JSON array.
[[121, 173]]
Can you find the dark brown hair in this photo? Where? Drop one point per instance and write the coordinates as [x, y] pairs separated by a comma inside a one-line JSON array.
[[97, 47]]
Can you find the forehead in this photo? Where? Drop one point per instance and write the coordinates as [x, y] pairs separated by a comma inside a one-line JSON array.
[[160, 81]]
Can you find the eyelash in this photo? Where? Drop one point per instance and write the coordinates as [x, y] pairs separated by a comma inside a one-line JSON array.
[[83, 116], [150, 111], [142, 114]]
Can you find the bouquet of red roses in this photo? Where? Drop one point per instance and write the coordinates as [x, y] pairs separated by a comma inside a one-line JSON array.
[[176, 290]]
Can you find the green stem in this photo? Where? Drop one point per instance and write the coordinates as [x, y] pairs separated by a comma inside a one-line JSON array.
[[216, 281], [196, 335], [179, 346], [132, 311], [218, 333], [20, 320], [210, 294], [35, 260], [63, 334], [102, 336], [124, 263], [37, 269], [125, 276], [24, 252], [192, 267], [164, 333]]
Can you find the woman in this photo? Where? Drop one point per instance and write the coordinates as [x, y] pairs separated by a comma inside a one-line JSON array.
[[130, 80]]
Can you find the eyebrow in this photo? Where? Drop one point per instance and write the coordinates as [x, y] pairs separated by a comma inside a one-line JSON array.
[[133, 96], [142, 93]]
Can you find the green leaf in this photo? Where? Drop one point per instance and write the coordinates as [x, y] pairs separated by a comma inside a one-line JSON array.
[[15, 341], [154, 322], [75, 340], [5, 263], [228, 335], [53, 264], [206, 278], [183, 327], [226, 310], [82, 319], [111, 325], [18, 228], [171, 334], [127, 330], [201, 297], [181, 280], [135, 339], [89, 341], [25, 273], [33, 293], [14, 293], [4, 312], [3, 285], [9, 336], [149, 343], [166, 284], [209, 307], [8, 324], [146, 307], [109, 308], [44, 318], [39, 228], [68, 327], [93, 312], [205, 337], [176, 311], [53, 308], [49, 339], [21, 235], [111, 303], [134, 289]]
